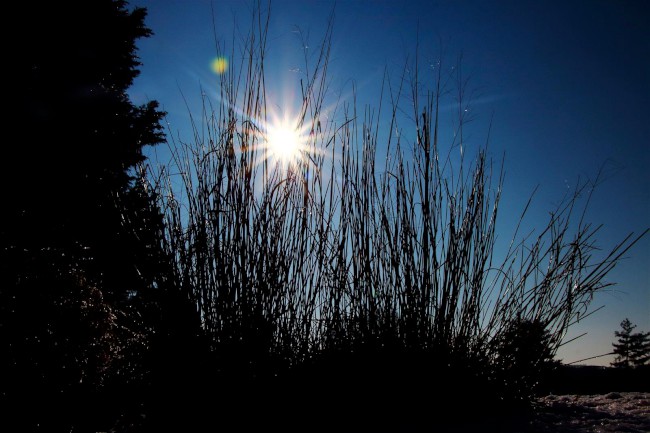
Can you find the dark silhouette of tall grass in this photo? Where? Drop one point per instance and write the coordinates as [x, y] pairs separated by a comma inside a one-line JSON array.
[[366, 278]]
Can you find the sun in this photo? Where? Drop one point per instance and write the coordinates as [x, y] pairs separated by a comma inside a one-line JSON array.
[[284, 141]]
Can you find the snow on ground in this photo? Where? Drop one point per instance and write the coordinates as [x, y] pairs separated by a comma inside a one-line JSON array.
[[624, 412]]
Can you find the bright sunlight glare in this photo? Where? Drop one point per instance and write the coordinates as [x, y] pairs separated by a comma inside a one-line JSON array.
[[284, 141]]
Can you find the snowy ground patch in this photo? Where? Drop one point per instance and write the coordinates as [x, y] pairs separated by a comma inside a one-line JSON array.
[[614, 412]]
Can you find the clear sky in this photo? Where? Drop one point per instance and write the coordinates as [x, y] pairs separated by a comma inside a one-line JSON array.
[[566, 83]]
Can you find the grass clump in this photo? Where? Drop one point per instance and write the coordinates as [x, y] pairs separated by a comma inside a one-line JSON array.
[[353, 289]]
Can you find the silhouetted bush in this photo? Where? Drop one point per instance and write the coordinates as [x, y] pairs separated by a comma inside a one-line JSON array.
[[524, 356]]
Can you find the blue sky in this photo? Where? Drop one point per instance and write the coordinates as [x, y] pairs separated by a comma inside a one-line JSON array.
[[566, 85]]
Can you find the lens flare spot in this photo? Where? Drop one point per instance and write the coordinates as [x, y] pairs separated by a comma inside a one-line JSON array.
[[219, 65]]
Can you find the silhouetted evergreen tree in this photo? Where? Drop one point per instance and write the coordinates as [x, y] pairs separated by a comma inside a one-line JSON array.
[[632, 349], [79, 236], [79, 134]]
